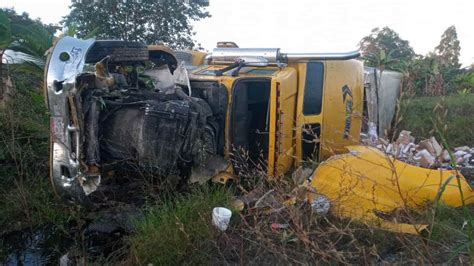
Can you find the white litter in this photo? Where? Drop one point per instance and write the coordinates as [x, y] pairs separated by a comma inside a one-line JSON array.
[[221, 218], [320, 205]]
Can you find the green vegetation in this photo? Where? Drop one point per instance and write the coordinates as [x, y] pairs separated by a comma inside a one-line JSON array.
[[31, 203], [26, 197], [437, 73], [383, 43], [418, 115], [149, 21], [449, 225], [179, 230], [21, 34]]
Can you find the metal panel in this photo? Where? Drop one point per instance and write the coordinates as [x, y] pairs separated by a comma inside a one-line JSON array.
[[230, 55], [274, 56], [295, 57], [342, 106], [65, 63], [282, 122], [384, 91], [366, 181]]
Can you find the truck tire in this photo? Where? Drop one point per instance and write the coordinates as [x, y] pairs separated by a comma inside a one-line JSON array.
[[119, 51]]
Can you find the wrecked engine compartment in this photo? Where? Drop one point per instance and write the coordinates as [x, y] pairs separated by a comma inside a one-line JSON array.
[[147, 128], [131, 108], [162, 130]]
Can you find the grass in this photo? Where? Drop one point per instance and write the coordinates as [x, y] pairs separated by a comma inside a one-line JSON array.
[[29, 204], [418, 115], [449, 225], [26, 197], [178, 231]]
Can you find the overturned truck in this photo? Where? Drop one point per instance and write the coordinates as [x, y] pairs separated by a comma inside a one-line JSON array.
[[117, 104]]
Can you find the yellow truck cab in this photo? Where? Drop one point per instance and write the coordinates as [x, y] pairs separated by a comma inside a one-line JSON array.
[[286, 107]]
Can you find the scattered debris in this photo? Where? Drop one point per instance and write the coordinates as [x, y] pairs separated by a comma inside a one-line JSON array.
[[427, 153], [258, 198], [221, 218], [237, 205], [276, 226], [268, 200], [405, 138], [320, 205]]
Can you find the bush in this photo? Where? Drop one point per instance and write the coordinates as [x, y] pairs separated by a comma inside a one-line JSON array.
[[417, 116], [465, 82], [24, 130], [26, 197]]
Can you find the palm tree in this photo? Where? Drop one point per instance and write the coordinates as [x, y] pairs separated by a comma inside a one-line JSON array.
[[5, 40], [28, 41], [381, 60]]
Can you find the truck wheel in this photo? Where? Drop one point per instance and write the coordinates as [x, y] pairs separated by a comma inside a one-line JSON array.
[[119, 51]]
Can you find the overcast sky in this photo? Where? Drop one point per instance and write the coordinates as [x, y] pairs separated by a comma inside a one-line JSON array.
[[312, 25]]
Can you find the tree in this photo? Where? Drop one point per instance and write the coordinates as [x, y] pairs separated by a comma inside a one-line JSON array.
[[434, 80], [449, 49], [30, 38], [150, 21], [447, 55], [5, 40], [381, 59], [389, 41]]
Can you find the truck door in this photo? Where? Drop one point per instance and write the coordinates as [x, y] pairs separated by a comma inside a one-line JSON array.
[[329, 108], [283, 95]]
